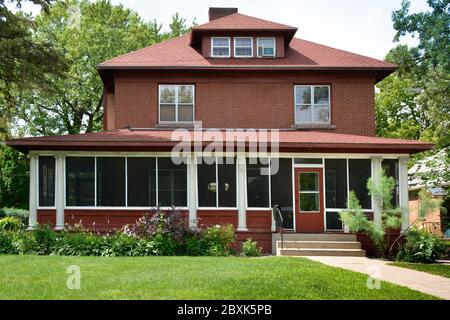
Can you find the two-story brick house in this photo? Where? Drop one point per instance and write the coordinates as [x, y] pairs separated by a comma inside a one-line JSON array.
[[234, 72]]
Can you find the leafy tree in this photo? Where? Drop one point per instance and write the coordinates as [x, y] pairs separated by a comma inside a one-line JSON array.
[[14, 177], [24, 60], [88, 33], [414, 102]]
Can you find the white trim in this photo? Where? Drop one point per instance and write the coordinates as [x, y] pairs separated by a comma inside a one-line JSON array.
[[59, 196], [403, 199], [135, 154], [32, 218], [312, 104], [176, 103], [235, 47], [212, 55], [124, 208], [126, 181], [274, 47]]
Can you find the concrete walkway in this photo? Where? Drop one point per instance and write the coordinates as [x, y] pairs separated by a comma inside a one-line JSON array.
[[428, 283]]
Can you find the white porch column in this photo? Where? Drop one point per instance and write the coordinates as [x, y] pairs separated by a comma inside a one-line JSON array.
[[242, 195], [33, 200], [59, 194], [192, 194], [376, 203], [403, 191]]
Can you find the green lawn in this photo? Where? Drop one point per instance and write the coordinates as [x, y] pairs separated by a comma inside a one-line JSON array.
[[435, 268], [44, 277]]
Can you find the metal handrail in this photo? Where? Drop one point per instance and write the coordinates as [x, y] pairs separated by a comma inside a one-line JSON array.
[[278, 217]]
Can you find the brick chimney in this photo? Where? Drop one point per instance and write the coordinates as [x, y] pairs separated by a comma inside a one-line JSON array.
[[216, 13]]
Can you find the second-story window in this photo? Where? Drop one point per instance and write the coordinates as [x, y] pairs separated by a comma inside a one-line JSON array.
[[220, 47], [312, 104], [243, 47], [176, 103], [266, 47]]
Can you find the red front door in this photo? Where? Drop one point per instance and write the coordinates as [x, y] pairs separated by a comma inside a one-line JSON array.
[[309, 213]]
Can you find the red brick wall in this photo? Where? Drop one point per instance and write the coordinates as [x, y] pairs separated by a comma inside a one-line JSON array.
[[247, 100]]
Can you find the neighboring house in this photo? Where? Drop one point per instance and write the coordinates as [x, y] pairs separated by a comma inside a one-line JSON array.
[[235, 71], [431, 173]]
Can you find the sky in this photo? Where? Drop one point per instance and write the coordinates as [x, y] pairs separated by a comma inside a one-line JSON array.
[[360, 26]]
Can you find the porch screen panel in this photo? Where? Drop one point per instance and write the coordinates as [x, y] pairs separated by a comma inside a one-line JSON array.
[[359, 173], [336, 183], [46, 181], [206, 181], [141, 179], [257, 186], [390, 167], [281, 190], [333, 221], [111, 182], [172, 183], [80, 181], [226, 172]]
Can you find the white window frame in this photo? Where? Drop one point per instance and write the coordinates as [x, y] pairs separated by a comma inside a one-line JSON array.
[[236, 47], [313, 105], [212, 48], [274, 47], [177, 104], [217, 207]]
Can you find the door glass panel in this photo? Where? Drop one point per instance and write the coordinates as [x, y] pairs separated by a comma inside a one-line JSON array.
[[309, 192], [309, 181], [309, 202]]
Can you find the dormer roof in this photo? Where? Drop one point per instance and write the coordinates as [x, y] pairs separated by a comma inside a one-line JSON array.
[[242, 23]]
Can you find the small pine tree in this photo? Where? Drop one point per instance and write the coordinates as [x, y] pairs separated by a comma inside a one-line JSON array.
[[356, 221]]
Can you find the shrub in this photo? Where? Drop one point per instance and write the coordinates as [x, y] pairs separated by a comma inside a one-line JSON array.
[[24, 243], [6, 243], [218, 239], [20, 214], [10, 224], [422, 247], [195, 246], [251, 249]]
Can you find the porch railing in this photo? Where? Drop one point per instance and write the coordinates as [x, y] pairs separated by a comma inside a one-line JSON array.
[[432, 227], [278, 217]]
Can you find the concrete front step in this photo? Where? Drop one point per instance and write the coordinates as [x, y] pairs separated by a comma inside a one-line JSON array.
[[315, 237], [319, 245], [322, 252]]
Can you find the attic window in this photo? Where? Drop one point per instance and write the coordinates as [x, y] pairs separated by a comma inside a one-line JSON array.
[[220, 47], [243, 47], [266, 47]]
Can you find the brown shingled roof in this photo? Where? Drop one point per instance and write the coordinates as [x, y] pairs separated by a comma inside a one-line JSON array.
[[239, 21], [301, 54], [289, 140]]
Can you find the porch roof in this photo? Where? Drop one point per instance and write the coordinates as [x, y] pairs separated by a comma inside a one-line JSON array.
[[164, 140]]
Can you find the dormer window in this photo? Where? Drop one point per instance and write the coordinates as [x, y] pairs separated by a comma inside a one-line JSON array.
[[266, 47], [220, 47], [243, 47]]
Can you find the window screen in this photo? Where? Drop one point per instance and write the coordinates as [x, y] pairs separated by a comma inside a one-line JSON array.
[[359, 174], [80, 181], [111, 182], [141, 177], [46, 181]]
